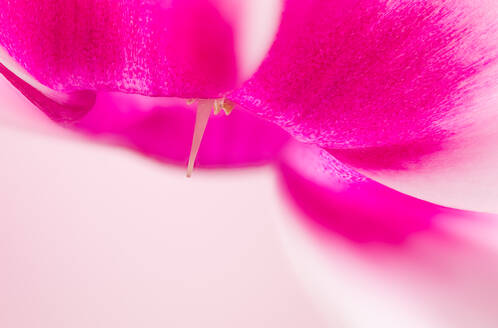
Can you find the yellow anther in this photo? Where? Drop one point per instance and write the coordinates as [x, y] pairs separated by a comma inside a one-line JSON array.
[[217, 107], [227, 106]]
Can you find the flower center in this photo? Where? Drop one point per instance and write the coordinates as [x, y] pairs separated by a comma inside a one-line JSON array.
[[204, 107]]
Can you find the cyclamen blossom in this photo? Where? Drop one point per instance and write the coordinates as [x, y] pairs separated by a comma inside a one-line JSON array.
[[403, 91]]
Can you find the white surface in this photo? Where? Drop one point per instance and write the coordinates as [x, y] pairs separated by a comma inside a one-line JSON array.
[[92, 236]]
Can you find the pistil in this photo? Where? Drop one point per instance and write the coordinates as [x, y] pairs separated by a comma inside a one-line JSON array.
[[204, 107]]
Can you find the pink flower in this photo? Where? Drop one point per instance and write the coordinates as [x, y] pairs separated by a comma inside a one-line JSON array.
[[401, 91], [397, 92]]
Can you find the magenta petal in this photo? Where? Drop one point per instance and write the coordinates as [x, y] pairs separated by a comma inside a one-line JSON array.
[[383, 259], [62, 108], [337, 199], [182, 48], [162, 129], [348, 74], [169, 48], [403, 90]]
